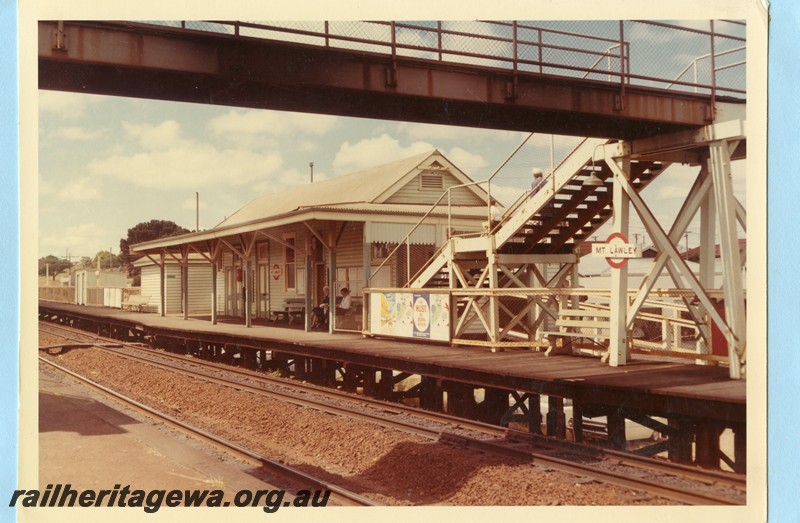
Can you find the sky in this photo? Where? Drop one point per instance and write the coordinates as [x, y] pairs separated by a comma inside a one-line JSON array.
[[108, 163]]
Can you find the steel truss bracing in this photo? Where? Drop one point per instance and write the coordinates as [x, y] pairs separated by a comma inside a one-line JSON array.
[[712, 194], [517, 284]]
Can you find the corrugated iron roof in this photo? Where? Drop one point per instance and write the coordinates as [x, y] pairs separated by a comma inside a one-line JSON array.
[[360, 187]]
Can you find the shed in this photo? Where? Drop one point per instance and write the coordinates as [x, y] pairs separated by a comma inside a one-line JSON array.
[[90, 285]]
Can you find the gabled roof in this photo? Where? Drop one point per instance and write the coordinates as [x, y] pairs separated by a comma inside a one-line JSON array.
[[360, 194], [368, 186]]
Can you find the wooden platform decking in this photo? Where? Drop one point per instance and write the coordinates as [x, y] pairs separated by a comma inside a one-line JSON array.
[[659, 388]]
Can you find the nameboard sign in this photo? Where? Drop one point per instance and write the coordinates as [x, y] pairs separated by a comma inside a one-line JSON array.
[[616, 250]]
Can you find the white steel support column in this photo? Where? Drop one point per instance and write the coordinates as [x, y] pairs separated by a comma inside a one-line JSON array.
[[618, 338], [708, 229], [535, 311], [707, 248], [720, 166], [494, 300]]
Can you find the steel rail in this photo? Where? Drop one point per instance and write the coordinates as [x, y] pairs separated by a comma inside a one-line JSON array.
[[510, 436], [664, 490], [241, 452]]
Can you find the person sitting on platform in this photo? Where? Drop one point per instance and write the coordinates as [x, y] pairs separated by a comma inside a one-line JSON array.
[[345, 303], [319, 314]]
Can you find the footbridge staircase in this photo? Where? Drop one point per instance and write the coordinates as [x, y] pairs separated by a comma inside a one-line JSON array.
[[516, 282]]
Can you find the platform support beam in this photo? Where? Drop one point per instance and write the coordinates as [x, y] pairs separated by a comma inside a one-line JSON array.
[[577, 421], [431, 394], [740, 448], [494, 405], [680, 442], [616, 429], [534, 414], [556, 420], [707, 444]]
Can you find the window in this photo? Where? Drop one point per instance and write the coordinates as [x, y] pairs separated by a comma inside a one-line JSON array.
[[350, 277], [290, 266], [380, 251]]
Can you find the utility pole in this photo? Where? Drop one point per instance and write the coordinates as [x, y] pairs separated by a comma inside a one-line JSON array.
[[197, 211], [311, 166]]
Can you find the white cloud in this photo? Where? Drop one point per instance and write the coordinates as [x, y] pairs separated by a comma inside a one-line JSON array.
[[82, 189], [237, 123], [161, 136], [84, 239], [466, 161], [371, 152], [506, 195], [77, 134], [65, 105], [188, 166]]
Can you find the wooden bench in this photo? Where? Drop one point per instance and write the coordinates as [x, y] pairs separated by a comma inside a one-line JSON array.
[[136, 302], [351, 318], [292, 307], [589, 324]]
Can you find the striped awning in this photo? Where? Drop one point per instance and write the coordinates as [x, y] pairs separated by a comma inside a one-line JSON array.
[[397, 232]]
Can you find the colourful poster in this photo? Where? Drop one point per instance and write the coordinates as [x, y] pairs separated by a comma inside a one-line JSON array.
[[410, 315], [422, 316]]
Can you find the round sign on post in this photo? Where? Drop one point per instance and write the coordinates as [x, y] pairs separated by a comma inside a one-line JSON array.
[[275, 271], [616, 250]]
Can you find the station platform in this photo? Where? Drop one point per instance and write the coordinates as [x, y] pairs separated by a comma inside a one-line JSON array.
[[659, 388], [91, 442]]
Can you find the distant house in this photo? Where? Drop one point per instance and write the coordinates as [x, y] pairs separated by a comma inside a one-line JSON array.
[[199, 274], [289, 245], [694, 254]]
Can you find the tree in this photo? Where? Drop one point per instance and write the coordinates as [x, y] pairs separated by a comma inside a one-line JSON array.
[[52, 264], [145, 232], [105, 260]]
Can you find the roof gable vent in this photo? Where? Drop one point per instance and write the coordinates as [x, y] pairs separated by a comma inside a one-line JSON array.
[[431, 181]]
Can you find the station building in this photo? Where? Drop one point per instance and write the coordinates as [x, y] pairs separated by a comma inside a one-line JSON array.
[[281, 249]]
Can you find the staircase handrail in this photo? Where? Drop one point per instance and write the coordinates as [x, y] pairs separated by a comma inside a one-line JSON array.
[[439, 201], [525, 195]]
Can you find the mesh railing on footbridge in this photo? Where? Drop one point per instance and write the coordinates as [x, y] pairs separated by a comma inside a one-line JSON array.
[[696, 56]]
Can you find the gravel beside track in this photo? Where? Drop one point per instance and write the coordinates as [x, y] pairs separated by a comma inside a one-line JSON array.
[[383, 464]]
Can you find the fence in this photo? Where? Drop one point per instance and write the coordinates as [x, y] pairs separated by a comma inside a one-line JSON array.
[[57, 294], [705, 57], [576, 319]]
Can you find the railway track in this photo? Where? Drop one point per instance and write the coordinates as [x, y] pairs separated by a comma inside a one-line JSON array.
[[340, 495], [680, 483]]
